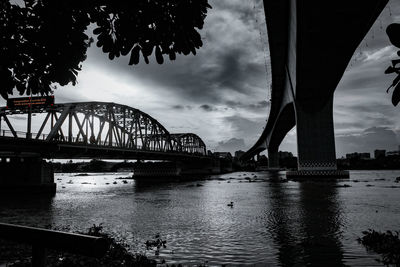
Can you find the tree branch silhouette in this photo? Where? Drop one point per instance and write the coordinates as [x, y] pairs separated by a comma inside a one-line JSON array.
[[393, 31], [43, 42]]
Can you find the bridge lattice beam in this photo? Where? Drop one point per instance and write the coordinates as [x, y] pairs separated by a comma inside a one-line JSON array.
[[103, 124]]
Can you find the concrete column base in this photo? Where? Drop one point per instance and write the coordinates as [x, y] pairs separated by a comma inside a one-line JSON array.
[[26, 175], [317, 174], [316, 143]]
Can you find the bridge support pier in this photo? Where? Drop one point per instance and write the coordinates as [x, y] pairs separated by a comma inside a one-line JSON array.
[[26, 175], [273, 159], [316, 144]]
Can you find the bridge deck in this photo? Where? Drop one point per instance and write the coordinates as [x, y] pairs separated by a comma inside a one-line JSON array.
[[10, 146]]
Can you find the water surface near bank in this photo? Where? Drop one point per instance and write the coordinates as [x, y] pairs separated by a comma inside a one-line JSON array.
[[271, 221]]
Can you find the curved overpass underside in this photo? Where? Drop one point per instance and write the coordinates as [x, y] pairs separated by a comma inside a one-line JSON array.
[[311, 43]]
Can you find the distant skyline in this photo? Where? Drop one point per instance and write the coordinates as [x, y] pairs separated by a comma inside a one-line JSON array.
[[222, 95]]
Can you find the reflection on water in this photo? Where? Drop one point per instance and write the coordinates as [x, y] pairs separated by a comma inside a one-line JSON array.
[[321, 222], [305, 223], [282, 223], [272, 221], [34, 210]]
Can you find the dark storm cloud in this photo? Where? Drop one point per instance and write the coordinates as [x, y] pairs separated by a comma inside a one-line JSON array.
[[258, 105], [367, 141], [261, 104], [231, 145], [364, 115], [227, 61], [204, 78], [178, 107], [246, 128], [208, 108]]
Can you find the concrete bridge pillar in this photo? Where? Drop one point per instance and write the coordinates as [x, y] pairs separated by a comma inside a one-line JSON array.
[[316, 143], [316, 138], [273, 159], [26, 175]]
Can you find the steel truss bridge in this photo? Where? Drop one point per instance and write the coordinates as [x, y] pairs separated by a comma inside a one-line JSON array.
[[93, 130]]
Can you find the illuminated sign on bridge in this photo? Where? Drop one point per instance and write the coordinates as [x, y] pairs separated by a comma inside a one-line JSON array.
[[27, 102]]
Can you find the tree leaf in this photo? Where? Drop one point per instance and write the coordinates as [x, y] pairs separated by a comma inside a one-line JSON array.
[[172, 55], [159, 57], [134, 59], [393, 31], [396, 95]]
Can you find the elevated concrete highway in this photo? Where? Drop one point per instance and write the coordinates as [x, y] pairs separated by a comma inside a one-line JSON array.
[[311, 43]]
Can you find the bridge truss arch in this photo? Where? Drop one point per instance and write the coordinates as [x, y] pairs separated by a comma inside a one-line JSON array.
[[99, 124], [190, 143]]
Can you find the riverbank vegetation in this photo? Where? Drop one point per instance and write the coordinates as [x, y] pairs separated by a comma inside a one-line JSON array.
[[387, 245], [17, 255]]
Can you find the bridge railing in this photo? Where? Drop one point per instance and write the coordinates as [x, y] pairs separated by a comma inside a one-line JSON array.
[[42, 239], [84, 142]]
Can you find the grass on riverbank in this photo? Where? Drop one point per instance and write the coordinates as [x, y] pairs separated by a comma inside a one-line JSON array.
[[17, 255], [385, 244]]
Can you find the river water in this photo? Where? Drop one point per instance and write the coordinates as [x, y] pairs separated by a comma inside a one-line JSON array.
[[272, 221]]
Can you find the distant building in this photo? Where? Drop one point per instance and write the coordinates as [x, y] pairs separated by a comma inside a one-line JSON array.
[[379, 153], [393, 153], [352, 155], [285, 154], [365, 155], [239, 153], [357, 155]]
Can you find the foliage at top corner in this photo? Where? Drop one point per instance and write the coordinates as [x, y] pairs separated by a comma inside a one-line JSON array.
[[44, 42], [393, 32]]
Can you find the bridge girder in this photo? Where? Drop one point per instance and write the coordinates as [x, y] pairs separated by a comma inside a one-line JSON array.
[[102, 124], [190, 143]]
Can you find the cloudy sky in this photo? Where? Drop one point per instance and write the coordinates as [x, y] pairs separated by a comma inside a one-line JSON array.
[[222, 93]]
